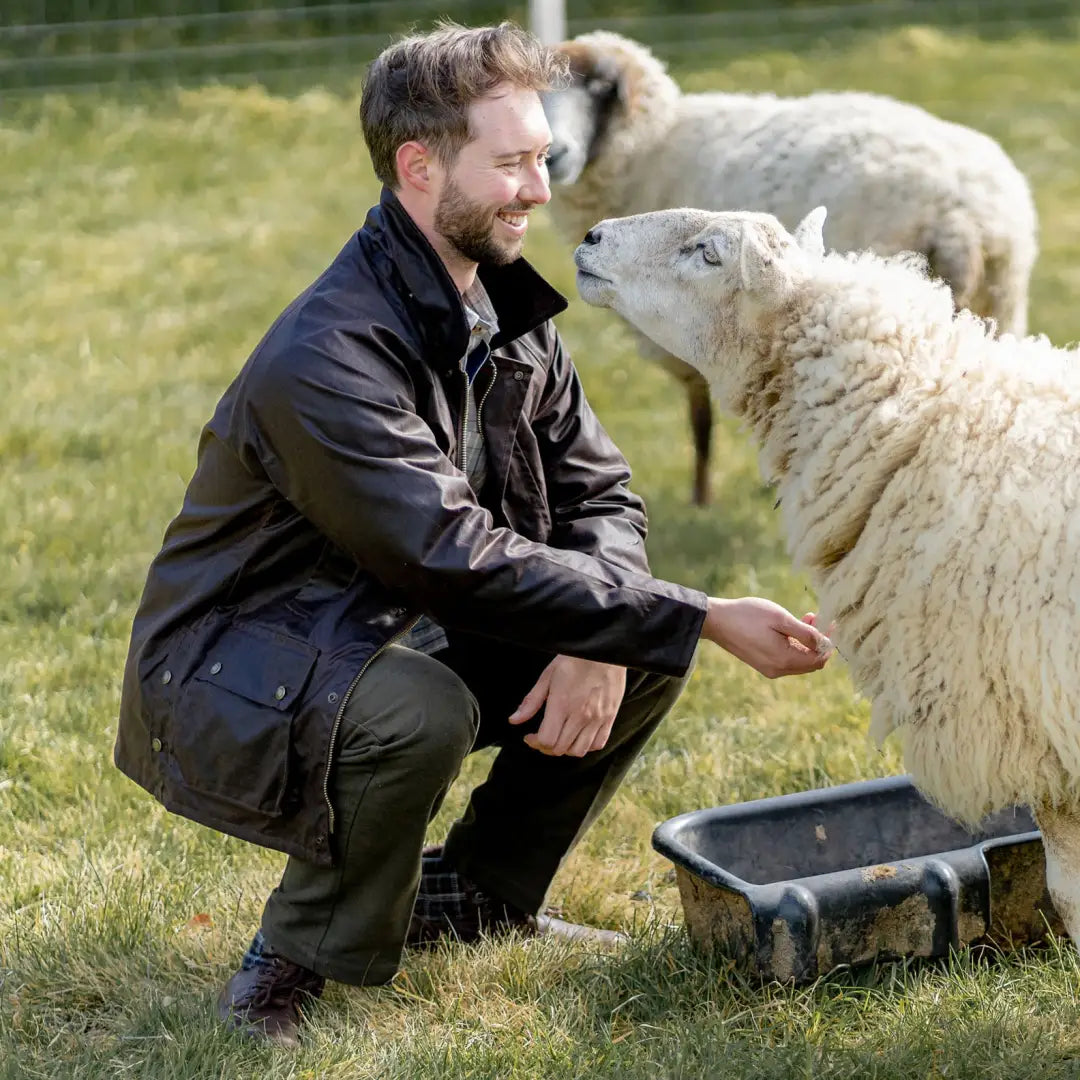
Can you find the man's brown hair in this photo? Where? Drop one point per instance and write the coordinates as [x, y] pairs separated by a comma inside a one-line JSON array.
[[421, 87]]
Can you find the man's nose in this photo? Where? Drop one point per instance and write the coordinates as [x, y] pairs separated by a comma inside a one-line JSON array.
[[536, 189]]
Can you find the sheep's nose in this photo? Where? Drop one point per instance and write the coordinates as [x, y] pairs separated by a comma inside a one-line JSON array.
[[592, 237]]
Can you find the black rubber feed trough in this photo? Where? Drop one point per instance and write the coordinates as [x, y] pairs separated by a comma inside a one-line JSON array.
[[795, 886]]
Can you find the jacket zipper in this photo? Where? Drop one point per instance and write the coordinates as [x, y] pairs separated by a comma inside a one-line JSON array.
[[463, 450], [484, 397], [341, 712]]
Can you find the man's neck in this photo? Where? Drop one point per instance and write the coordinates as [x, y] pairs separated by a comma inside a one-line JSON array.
[[462, 271]]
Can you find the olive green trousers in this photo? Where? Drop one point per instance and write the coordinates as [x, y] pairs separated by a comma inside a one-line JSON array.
[[408, 726]]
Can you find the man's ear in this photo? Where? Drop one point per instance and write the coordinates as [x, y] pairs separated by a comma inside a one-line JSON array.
[[762, 266], [808, 234], [414, 166]]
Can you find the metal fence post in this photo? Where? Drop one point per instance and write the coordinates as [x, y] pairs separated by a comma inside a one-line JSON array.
[[547, 20]]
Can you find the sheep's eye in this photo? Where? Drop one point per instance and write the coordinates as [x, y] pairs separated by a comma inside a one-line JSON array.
[[710, 254]]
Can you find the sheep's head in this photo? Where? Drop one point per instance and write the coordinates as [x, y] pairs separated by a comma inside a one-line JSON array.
[[700, 284], [580, 113], [617, 91]]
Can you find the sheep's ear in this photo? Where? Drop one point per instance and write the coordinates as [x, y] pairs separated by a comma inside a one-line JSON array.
[[761, 263], [606, 81], [808, 233]]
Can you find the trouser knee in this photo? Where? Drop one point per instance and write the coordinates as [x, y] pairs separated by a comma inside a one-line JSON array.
[[414, 714], [447, 720]]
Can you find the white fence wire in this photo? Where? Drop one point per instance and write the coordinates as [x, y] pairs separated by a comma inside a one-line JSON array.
[[272, 43]]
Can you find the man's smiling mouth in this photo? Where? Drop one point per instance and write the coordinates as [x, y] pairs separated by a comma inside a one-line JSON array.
[[516, 220]]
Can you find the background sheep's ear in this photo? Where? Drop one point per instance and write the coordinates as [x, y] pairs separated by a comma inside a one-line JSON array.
[[808, 234], [761, 264], [606, 82]]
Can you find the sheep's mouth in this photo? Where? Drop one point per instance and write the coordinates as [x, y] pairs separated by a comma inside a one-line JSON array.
[[594, 289], [585, 272]]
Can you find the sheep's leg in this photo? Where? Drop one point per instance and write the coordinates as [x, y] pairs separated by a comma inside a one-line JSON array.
[[1060, 828], [700, 401]]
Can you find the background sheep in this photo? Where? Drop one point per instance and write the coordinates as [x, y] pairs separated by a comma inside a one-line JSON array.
[[895, 178], [930, 484]]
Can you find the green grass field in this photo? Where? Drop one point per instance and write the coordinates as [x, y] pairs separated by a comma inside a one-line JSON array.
[[147, 245]]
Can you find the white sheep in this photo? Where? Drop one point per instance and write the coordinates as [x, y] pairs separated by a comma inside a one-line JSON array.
[[895, 178], [929, 477]]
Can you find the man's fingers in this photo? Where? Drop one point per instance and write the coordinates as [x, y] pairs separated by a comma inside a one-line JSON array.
[[811, 618], [533, 743], [583, 743], [532, 701], [603, 735], [569, 734], [546, 737], [807, 635]]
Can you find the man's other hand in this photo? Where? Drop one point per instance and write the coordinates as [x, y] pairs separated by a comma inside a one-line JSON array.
[[580, 698]]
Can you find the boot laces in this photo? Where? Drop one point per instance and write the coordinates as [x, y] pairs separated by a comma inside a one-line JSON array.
[[280, 982]]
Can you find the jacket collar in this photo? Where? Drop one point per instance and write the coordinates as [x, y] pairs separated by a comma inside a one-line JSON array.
[[522, 299]]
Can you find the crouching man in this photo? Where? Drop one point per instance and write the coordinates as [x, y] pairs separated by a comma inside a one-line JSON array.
[[407, 537]]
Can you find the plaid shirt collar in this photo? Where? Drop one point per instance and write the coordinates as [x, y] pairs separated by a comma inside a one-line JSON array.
[[483, 326], [479, 314]]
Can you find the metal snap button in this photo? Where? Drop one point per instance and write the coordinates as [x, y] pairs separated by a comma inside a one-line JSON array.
[[166, 677], [155, 745], [519, 375], [280, 692], [215, 667], [332, 697]]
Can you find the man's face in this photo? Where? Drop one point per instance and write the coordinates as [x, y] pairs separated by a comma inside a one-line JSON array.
[[497, 179]]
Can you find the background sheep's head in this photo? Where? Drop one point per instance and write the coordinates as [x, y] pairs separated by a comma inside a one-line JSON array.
[[700, 284], [578, 117], [604, 68]]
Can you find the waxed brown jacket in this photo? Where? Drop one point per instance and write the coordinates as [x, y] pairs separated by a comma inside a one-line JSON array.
[[327, 512]]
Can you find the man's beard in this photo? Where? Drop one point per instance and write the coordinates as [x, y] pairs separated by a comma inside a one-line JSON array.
[[469, 228]]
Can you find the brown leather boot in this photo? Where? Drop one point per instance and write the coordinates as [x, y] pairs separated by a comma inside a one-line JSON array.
[[266, 1000]]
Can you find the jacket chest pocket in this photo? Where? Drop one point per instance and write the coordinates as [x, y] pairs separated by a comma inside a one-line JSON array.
[[233, 728]]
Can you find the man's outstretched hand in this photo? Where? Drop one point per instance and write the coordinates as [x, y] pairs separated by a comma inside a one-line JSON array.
[[580, 699], [766, 636]]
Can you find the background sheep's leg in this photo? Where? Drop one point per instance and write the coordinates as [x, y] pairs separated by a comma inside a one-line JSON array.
[[699, 400], [1005, 289], [992, 286], [1061, 841]]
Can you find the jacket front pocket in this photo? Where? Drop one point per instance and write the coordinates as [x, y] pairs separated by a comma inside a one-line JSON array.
[[233, 727]]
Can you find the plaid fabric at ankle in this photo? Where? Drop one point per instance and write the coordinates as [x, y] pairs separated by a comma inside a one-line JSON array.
[[451, 902], [258, 952], [444, 894]]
